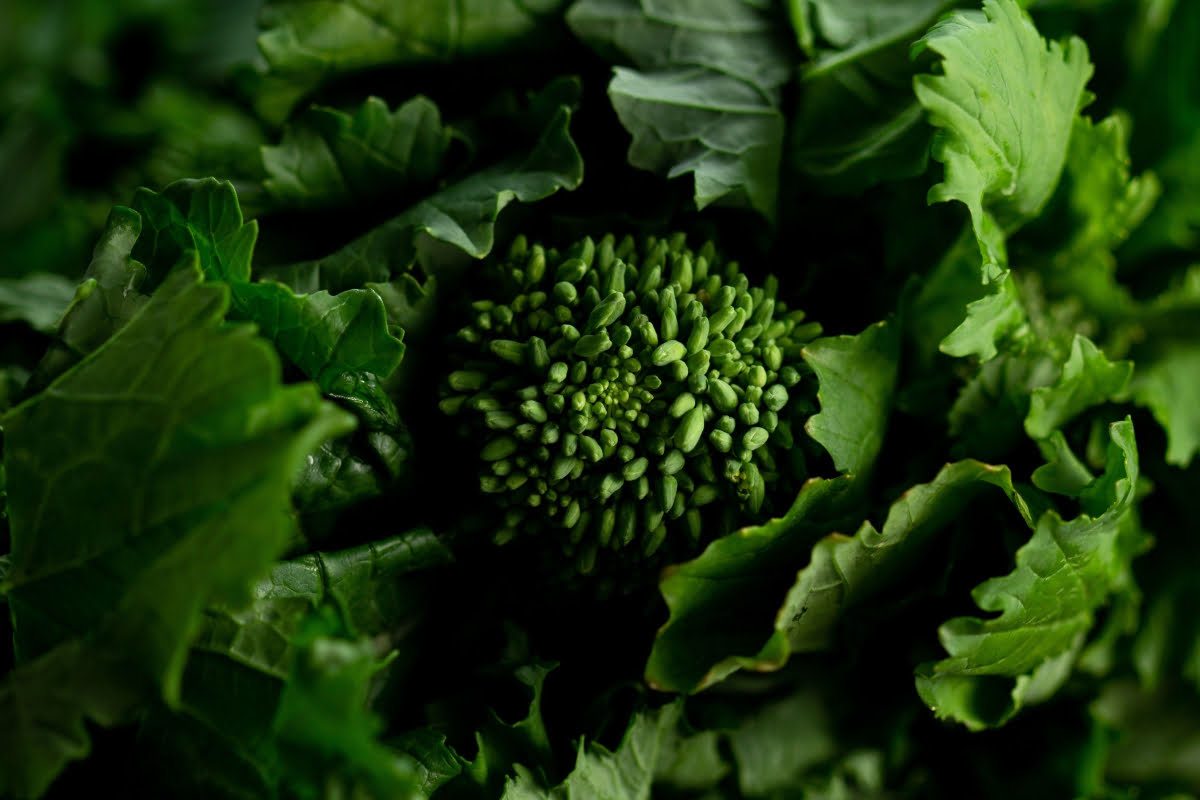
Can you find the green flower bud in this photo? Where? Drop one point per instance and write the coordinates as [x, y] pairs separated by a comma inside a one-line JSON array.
[[499, 420], [607, 312], [722, 394], [592, 345], [683, 404], [775, 398], [690, 429], [755, 438], [721, 440], [467, 380], [499, 448], [668, 352]]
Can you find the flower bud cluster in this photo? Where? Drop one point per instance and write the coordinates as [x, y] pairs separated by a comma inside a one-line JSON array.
[[624, 393]]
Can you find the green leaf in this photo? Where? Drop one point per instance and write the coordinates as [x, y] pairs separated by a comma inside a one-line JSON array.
[[1046, 606], [1169, 385], [1106, 204], [1063, 473], [860, 74], [1005, 102], [106, 300], [857, 375], [988, 415], [704, 96], [328, 736], [1156, 735], [723, 603], [38, 300], [324, 335], [185, 492], [308, 42], [463, 215], [1087, 379], [330, 158], [847, 572], [629, 772], [859, 26], [364, 581], [502, 746], [777, 745], [436, 763], [241, 659], [655, 751], [993, 316]]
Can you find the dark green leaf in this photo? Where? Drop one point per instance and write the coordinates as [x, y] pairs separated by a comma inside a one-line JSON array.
[[38, 300], [463, 215], [723, 603], [308, 42], [329, 158], [704, 97], [327, 735], [778, 744], [185, 491], [324, 335]]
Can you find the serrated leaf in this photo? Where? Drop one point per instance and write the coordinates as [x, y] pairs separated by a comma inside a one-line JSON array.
[[1106, 205], [859, 73], [463, 215], [1005, 102], [436, 763], [324, 335], [328, 157], [655, 751], [722, 603], [857, 375], [704, 97], [185, 489], [1087, 379], [327, 734], [1045, 606], [629, 773], [241, 659], [308, 42], [107, 298], [995, 315], [846, 572]]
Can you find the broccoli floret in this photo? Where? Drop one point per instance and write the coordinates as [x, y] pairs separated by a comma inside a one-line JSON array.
[[624, 394]]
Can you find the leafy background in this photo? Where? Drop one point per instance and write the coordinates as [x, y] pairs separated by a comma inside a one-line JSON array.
[[234, 542]]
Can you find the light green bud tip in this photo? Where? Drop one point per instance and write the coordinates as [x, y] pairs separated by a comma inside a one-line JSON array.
[[614, 388]]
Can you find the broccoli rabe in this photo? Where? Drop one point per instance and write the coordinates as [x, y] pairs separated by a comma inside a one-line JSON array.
[[628, 393]]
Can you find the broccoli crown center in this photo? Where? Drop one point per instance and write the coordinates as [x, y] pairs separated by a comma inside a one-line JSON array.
[[624, 393]]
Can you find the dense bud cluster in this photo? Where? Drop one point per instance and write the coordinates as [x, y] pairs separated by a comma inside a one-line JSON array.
[[624, 393]]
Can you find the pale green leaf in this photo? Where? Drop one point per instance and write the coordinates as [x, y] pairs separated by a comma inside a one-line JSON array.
[[857, 375], [1087, 379], [1045, 606], [1005, 102], [847, 572]]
